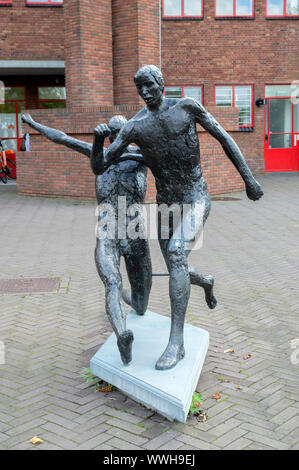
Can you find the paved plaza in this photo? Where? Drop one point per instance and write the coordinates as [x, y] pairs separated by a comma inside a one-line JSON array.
[[252, 249]]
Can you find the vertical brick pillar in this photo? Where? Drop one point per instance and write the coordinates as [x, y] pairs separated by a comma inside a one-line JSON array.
[[88, 49], [136, 42]]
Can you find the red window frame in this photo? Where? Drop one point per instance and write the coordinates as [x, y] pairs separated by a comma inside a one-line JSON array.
[[17, 138], [234, 11], [45, 4], [182, 15], [183, 89], [284, 12], [233, 100], [41, 101], [5, 2]]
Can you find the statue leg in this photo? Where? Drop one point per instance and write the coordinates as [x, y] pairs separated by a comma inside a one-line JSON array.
[[179, 291], [107, 258], [207, 283], [139, 269], [179, 285]]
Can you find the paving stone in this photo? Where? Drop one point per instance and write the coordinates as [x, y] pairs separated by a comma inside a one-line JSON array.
[[127, 436], [160, 440], [196, 443], [122, 445], [275, 444], [230, 436], [126, 426], [238, 444]]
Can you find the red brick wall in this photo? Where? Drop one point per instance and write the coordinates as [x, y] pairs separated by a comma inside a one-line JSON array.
[[55, 174], [88, 47], [136, 42], [236, 51], [31, 33]]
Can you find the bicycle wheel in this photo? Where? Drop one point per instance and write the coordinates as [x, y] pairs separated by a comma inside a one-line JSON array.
[[3, 177], [12, 169]]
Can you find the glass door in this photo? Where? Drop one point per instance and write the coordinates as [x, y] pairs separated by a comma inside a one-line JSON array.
[[281, 134], [10, 117]]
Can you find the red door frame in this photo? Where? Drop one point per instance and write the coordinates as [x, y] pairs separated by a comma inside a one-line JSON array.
[[280, 159]]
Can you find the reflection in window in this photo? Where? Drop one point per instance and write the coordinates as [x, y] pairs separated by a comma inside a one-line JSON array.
[[51, 97], [234, 7], [224, 7], [238, 97], [194, 92], [10, 116], [182, 8], [278, 91], [224, 96], [192, 7], [292, 7], [172, 7], [280, 141], [44, 2], [173, 92], [282, 7], [296, 117]]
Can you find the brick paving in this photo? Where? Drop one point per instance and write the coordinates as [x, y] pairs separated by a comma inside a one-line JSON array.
[[251, 248]]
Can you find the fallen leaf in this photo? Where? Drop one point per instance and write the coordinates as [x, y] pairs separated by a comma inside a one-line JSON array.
[[216, 396], [202, 417], [230, 350], [248, 356], [109, 388], [238, 387], [36, 440]]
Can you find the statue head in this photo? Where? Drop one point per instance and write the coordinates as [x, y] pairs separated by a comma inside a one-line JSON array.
[[115, 125], [150, 85]]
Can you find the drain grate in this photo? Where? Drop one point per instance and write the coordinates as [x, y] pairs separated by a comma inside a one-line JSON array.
[[29, 285], [225, 198]]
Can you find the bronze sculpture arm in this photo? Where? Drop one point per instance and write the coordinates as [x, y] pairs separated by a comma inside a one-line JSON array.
[[103, 159], [209, 123], [59, 137]]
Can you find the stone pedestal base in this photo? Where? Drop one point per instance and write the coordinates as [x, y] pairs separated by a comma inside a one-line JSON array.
[[168, 392]]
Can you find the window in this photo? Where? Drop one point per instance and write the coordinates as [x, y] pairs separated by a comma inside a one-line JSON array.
[[5, 2], [283, 8], [233, 8], [45, 2], [239, 97], [182, 8], [184, 92], [282, 91], [51, 97], [10, 116]]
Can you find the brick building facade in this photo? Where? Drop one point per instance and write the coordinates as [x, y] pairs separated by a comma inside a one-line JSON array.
[[228, 53]]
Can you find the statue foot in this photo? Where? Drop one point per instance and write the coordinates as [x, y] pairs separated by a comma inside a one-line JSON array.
[[171, 356], [134, 312], [209, 293], [124, 343]]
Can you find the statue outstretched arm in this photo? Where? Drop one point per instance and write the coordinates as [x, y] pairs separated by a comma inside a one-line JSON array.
[[206, 120], [59, 137]]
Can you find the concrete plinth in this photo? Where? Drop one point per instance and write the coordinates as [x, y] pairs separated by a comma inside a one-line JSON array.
[[168, 392]]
